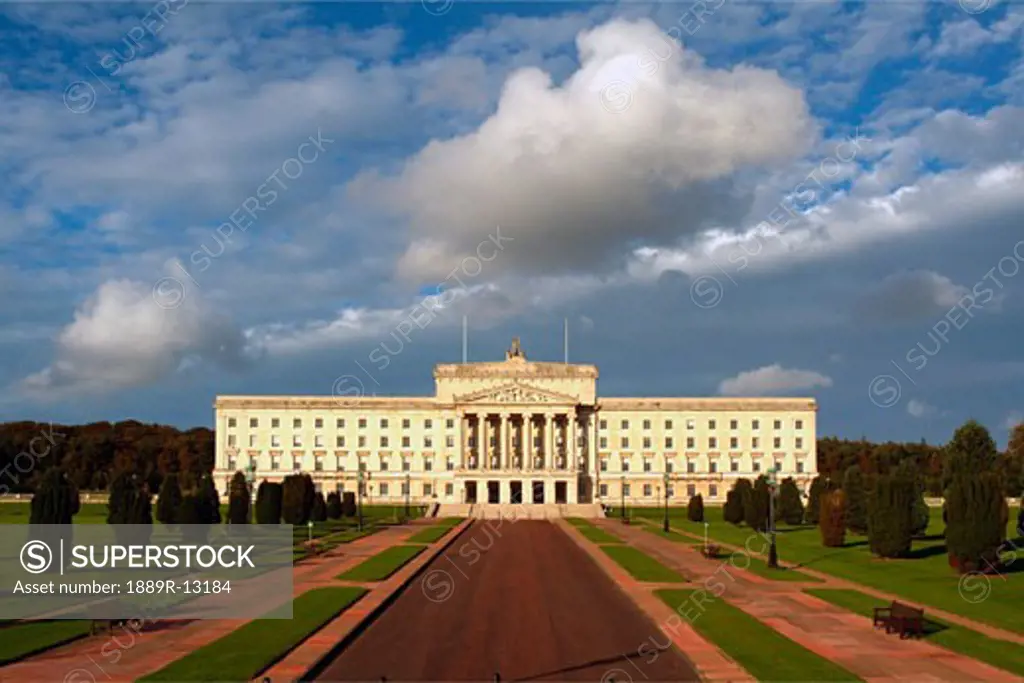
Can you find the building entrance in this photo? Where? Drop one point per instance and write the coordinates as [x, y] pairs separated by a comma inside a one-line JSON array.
[[470, 491], [560, 492], [538, 493], [516, 492], [493, 492]]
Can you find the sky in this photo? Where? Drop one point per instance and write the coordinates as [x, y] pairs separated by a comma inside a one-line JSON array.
[[730, 198]]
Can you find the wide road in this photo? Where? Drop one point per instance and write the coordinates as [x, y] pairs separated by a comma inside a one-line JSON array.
[[515, 598]]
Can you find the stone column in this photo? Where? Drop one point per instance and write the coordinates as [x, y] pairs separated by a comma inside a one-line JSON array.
[[460, 441], [527, 439], [549, 440], [484, 456], [502, 441]]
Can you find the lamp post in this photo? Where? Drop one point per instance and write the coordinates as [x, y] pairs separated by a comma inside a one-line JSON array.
[[622, 490], [251, 480], [665, 525], [359, 498], [407, 497], [773, 556]]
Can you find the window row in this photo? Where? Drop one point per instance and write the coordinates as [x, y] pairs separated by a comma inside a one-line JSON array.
[[649, 489], [319, 465], [318, 423], [319, 441], [691, 466], [734, 442], [691, 424]]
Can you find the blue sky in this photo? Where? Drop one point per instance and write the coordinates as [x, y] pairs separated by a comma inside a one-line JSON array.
[[727, 198]]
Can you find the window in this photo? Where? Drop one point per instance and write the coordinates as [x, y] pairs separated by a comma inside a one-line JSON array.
[[449, 465], [449, 489], [755, 424], [383, 465], [231, 439], [297, 423], [691, 424], [734, 424], [647, 490], [602, 442], [799, 424], [340, 442], [604, 465], [449, 424], [428, 442], [405, 424], [231, 463], [734, 466], [625, 489], [625, 424], [340, 487], [296, 441], [297, 465], [714, 467], [383, 488], [668, 466], [319, 465], [647, 465], [383, 423], [778, 424], [713, 491], [712, 424], [757, 466], [799, 442], [755, 442], [405, 465], [383, 442], [428, 465], [232, 422], [647, 442], [668, 442], [799, 466], [254, 423], [318, 441], [603, 424], [691, 466], [602, 490], [362, 423], [668, 424], [624, 441], [428, 424], [647, 424], [275, 464], [275, 441], [734, 442], [625, 466], [275, 423], [362, 466], [449, 441], [340, 423], [318, 423], [691, 490], [690, 442], [427, 490], [777, 441], [362, 442], [406, 442], [712, 442]]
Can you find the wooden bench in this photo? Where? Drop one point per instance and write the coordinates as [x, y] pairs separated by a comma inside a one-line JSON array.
[[710, 551], [900, 618]]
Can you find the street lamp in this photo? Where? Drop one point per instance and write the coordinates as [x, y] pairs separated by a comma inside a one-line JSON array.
[[407, 497], [359, 498], [665, 525], [251, 480], [773, 556], [622, 490]]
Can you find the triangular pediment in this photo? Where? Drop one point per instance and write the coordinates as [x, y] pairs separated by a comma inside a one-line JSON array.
[[516, 392]]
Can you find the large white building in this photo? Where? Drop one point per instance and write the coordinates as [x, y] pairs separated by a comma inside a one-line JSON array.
[[517, 431]]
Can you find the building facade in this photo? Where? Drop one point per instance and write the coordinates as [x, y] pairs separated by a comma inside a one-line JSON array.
[[517, 431]]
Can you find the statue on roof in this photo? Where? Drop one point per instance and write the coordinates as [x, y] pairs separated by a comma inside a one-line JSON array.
[[515, 351]]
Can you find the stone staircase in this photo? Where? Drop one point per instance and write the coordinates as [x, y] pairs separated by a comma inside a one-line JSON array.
[[509, 511]]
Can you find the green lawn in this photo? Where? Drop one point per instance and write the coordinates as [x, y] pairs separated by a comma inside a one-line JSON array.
[[593, 533], [642, 566], [249, 650], [761, 650], [24, 639], [435, 532], [383, 564], [998, 653], [925, 578]]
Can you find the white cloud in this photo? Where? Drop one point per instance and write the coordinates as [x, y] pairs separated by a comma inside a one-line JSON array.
[[1013, 419], [911, 294], [572, 178], [920, 409], [772, 379]]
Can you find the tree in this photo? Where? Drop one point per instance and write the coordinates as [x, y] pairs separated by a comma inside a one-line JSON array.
[[890, 509], [169, 499], [193, 516], [319, 511], [348, 504], [920, 516], [695, 509], [732, 512], [832, 519], [1013, 462], [1020, 519], [334, 508], [268, 503], [791, 508], [209, 500], [238, 500], [971, 450], [975, 520], [56, 499], [129, 501], [297, 499], [813, 511], [757, 504], [856, 500]]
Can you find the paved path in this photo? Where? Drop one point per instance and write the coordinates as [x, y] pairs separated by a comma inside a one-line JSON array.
[[832, 632], [126, 655], [515, 598]]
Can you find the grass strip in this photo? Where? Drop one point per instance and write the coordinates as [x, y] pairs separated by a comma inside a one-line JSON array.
[[999, 653], [435, 532], [383, 564], [641, 566], [18, 641], [249, 650], [764, 652]]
